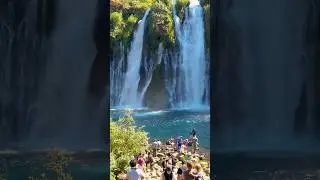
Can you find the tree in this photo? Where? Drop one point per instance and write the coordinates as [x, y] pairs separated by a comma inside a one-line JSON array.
[[126, 141]]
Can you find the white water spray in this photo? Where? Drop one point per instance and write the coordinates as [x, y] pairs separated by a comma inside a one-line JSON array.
[[192, 81]]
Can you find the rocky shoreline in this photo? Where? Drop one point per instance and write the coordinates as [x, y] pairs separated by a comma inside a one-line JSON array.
[[154, 172]]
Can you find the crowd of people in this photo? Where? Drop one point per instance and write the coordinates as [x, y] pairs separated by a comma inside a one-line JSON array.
[[187, 170]]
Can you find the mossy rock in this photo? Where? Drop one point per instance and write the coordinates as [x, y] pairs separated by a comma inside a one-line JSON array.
[[181, 6], [124, 18], [121, 176], [160, 27], [160, 155]]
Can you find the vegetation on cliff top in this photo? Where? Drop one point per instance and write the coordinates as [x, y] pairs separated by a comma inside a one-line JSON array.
[[160, 26], [181, 6]]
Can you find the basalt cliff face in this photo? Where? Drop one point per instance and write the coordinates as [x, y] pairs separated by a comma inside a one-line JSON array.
[[265, 75]]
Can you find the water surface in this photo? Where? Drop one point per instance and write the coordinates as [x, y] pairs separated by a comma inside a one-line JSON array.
[[161, 124]]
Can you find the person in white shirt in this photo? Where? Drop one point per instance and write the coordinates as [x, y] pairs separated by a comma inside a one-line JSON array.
[[135, 173]]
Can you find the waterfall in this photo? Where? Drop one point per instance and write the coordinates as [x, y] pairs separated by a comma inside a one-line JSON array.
[[130, 95], [188, 83], [22, 50], [171, 72], [117, 78], [186, 75], [149, 68], [62, 98]]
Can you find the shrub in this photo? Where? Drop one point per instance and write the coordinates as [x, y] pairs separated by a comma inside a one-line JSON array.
[[126, 141], [3, 169], [181, 6], [55, 163], [128, 31], [117, 25], [160, 27]]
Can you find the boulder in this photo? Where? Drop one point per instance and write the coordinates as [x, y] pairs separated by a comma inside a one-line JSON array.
[[160, 155], [122, 176]]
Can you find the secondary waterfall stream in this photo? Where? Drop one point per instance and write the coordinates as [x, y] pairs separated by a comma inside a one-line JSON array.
[[130, 95]]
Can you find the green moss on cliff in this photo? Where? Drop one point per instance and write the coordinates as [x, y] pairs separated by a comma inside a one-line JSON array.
[[125, 14], [121, 29], [181, 6], [160, 26], [117, 25], [124, 17]]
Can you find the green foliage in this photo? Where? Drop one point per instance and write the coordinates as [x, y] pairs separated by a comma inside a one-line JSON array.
[[3, 176], [130, 5], [129, 29], [132, 20], [160, 26], [181, 6], [124, 16], [117, 25], [121, 29], [143, 4], [113, 166], [126, 13], [55, 163], [126, 141], [3, 171]]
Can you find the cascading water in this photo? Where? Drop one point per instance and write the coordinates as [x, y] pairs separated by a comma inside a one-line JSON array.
[[149, 68], [188, 83], [185, 70], [130, 95], [62, 97], [171, 72], [117, 76]]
